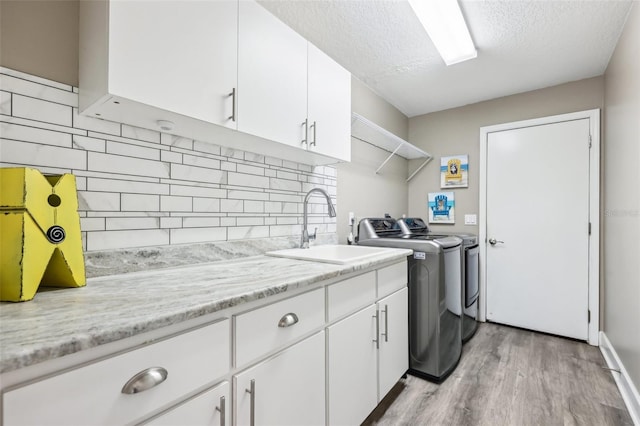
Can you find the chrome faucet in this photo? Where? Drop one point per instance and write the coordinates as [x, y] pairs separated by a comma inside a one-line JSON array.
[[332, 213]]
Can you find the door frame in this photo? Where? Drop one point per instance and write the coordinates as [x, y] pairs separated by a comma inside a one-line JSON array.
[[594, 208]]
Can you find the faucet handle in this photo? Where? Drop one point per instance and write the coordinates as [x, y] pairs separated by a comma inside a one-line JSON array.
[[313, 236]]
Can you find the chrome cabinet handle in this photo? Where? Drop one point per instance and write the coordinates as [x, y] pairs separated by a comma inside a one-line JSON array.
[[386, 323], [305, 124], [377, 339], [223, 411], [252, 405], [288, 320], [145, 380], [493, 241], [314, 127], [233, 104]]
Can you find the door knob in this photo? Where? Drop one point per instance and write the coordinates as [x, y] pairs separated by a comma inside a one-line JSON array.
[[493, 241]]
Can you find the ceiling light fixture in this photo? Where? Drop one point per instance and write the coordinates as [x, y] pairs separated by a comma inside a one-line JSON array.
[[445, 25]]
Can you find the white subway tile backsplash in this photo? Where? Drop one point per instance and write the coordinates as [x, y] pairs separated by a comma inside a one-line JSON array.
[[232, 206], [127, 165], [250, 221], [197, 235], [247, 232], [35, 135], [140, 134], [126, 186], [193, 160], [285, 185], [36, 109], [170, 222], [197, 174], [176, 141], [130, 150], [140, 203], [98, 201], [106, 240], [39, 91], [170, 203], [92, 223], [5, 102], [206, 205], [200, 222], [36, 79], [206, 147], [252, 170], [198, 191], [89, 144], [253, 206], [35, 154], [119, 223], [170, 157], [140, 187], [238, 179]]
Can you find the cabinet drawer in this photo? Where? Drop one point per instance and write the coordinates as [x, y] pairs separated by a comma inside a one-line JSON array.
[[350, 295], [92, 395], [210, 408], [260, 331], [392, 278]]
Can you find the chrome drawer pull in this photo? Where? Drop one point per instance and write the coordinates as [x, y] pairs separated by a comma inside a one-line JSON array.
[[288, 320], [377, 339], [145, 380], [252, 402]]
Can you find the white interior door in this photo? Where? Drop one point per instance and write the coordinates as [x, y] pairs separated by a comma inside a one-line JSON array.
[[537, 210]]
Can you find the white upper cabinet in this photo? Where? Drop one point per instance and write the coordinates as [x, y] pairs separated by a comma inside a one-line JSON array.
[[221, 71], [177, 56], [329, 106], [272, 77]]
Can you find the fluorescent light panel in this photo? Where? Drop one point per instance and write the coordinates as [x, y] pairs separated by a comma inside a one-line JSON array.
[[446, 27]]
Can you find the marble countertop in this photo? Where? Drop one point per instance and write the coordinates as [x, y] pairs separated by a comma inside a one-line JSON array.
[[59, 322]]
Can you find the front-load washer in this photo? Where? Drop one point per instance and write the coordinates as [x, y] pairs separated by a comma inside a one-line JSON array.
[[435, 342], [469, 265]]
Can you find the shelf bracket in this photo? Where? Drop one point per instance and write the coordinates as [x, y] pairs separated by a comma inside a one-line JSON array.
[[389, 157], [429, 158]]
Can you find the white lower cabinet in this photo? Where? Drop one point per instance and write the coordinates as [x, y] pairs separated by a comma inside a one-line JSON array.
[[156, 375], [286, 389], [394, 340], [210, 408], [368, 353], [352, 368]]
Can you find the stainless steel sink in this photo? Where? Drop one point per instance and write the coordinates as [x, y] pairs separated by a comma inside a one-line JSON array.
[[336, 254]]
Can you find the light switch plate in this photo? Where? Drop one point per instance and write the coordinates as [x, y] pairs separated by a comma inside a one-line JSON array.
[[470, 219]]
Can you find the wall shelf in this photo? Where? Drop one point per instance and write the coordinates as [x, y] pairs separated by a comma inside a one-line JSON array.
[[367, 131]]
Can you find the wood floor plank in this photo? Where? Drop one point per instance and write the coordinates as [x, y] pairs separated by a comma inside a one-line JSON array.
[[509, 376]]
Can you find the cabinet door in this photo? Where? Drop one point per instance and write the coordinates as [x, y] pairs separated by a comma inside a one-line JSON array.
[[179, 56], [394, 339], [210, 408], [352, 368], [329, 106], [288, 389], [272, 77]]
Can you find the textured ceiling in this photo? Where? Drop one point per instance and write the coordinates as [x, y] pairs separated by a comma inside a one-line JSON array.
[[522, 45]]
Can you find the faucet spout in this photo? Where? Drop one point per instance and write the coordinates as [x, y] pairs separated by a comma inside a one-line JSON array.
[[304, 243]]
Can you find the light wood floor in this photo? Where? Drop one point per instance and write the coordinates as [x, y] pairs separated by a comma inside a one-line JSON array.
[[509, 376]]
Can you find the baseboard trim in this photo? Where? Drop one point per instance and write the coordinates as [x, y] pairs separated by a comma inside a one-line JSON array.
[[629, 392]]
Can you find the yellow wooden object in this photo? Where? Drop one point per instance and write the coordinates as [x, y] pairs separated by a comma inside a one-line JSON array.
[[40, 240]]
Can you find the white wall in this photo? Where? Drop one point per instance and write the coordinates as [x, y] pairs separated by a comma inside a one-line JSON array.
[[360, 189], [621, 198]]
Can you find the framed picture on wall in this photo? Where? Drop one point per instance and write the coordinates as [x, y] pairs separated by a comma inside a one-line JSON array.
[[442, 207], [454, 171]]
